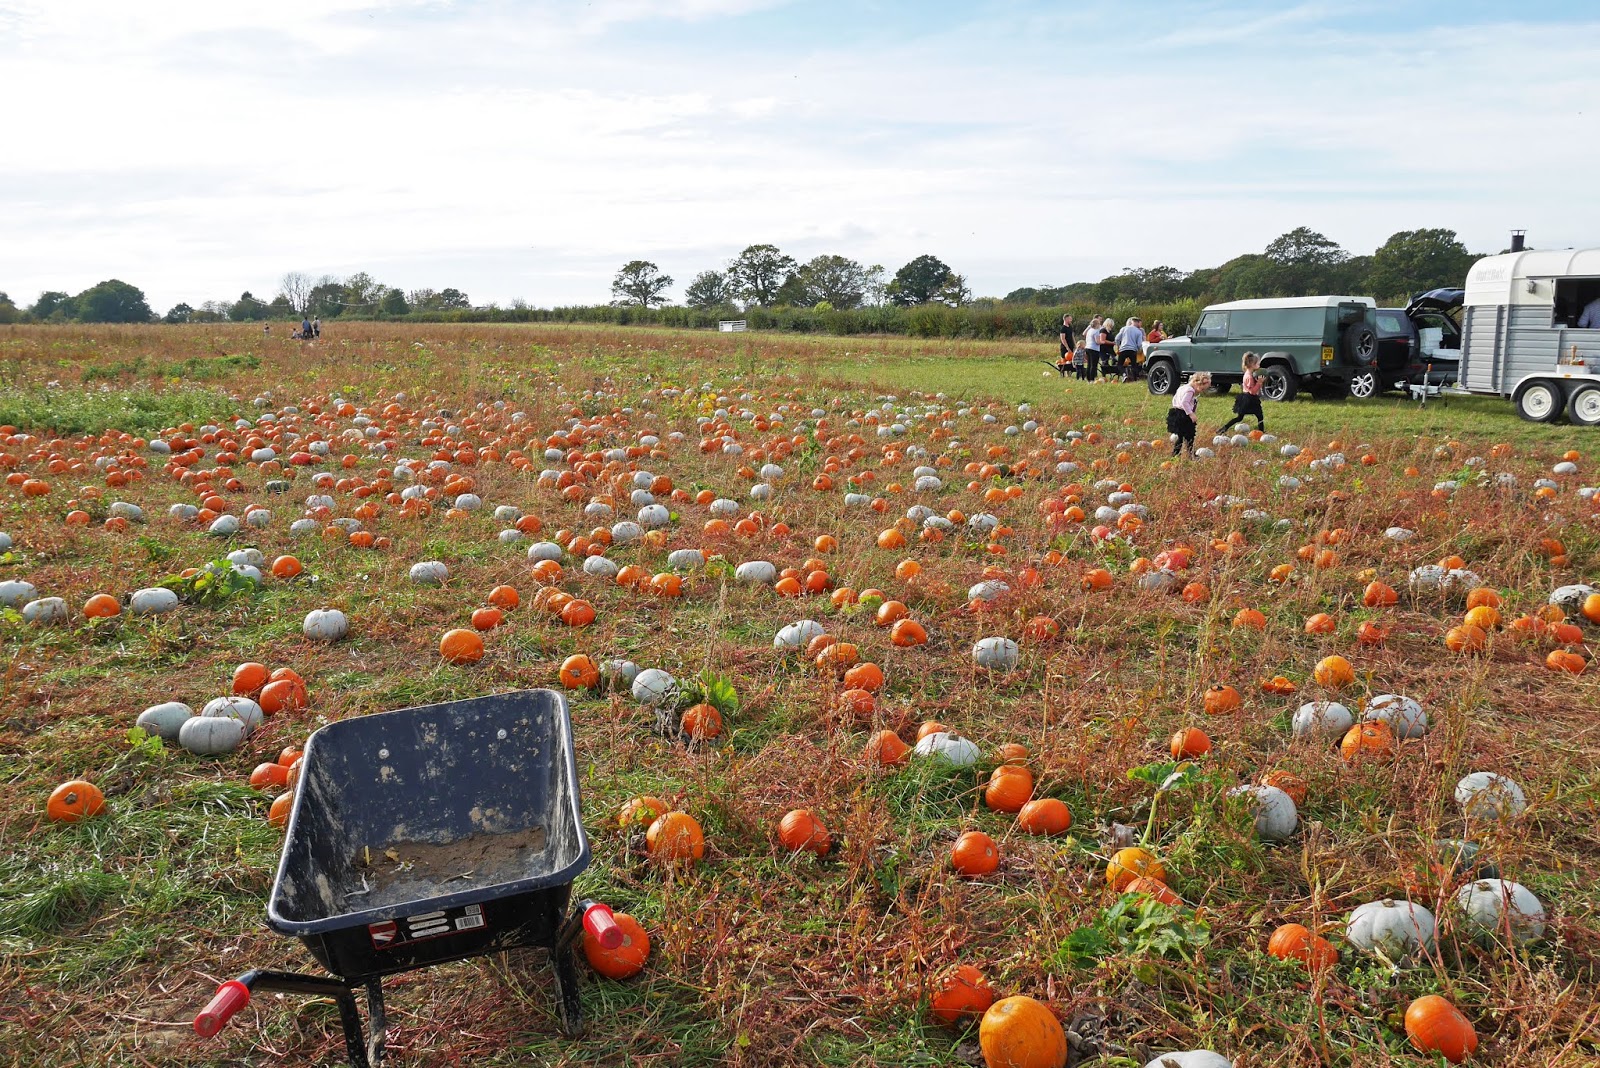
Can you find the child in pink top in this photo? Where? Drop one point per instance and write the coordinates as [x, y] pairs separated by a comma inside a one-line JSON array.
[[1248, 402], [1181, 416]]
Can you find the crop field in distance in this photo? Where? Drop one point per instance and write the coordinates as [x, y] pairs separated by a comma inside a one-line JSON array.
[[1364, 549]]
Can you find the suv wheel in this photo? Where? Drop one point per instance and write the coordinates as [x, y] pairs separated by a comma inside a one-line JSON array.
[[1162, 378], [1278, 383], [1364, 384], [1360, 345], [1540, 402]]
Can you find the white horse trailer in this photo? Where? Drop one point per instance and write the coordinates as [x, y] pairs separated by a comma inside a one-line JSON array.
[[1530, 330]]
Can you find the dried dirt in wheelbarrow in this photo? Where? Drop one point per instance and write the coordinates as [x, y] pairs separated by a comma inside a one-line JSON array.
[[406, 871]]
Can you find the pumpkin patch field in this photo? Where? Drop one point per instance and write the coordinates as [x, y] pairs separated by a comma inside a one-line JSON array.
[[938, 724]]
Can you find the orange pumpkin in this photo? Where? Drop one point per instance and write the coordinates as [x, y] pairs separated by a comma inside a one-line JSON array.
[[1334, 672], [627, 959], [461, 646], [962, 993], [1153, 888], [1249, 618], [1379, 595], [701, 722], [1019, 1032], [1294, 941], [249, 678], [102, 606], [74, 800], [802, 830], [641, 811], [1044, 815], [1364, 739], [1010, 787], [675, 837], [1190, 742], [579, 672], [1435, 1026], [975, 854], [1221, 699], [1131, 863], [887, 749]]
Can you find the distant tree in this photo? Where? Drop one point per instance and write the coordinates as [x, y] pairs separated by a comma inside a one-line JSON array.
[[423, 299], [875, 285], [453, 298], [640, 282], [9, 312], [838, 280], [326, 299], [1304, 262], [757, 273], [178, 313], [1142, 285], [295, 287], [1023, 295], [393, 302], [921, 281], [281, 309], [52, 305], [112, 301], [708, 290], [362, 292], [1415, 261], [212, 311], [247, 308], [955, 291]]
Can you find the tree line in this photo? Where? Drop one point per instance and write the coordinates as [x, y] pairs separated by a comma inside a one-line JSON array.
[[833, 293]]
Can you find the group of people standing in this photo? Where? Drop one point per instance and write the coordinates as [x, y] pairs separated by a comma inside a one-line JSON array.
[[1103, 346]]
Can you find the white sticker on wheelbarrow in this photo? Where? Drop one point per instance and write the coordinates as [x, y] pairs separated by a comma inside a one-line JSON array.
[[390, 933]]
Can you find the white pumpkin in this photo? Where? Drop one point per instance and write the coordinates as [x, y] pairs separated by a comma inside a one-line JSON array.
[[468, 502], [1491, 907], [507, 513], [796, 635], [1485, 795], [652, 516], [952, 747], [1394, 928], [15, 592], [618, 674], [511, 536], [152, 601], [995, 654], [259, 518], [325, 625], [165, 719], [656, 688], [1404, 715], [1275, 814], [988, 590], [600, 567], [223, 526], [1570, 598], [301, 528], [429, 573], [233, 706], [1428, 578], [1321, 720], [253, 557], [1160, 580], [685, 559], [756, 573], [1191, 1058], [211, 736], [45, 611], [123, 510], [544, 550], [5, 542]]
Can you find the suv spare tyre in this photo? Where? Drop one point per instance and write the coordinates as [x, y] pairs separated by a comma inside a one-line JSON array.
[[1359, 344]]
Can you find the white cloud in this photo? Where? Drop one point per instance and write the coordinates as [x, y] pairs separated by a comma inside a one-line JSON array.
[[199, 149]]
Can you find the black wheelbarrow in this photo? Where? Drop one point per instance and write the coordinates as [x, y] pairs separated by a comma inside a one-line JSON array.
[[427, 835]]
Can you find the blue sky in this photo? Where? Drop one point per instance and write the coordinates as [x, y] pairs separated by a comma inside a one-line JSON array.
[[528, 149]]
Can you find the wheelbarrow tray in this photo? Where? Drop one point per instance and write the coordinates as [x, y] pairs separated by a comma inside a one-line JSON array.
[[431, 834]]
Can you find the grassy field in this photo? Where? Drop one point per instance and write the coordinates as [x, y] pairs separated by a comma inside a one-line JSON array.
[[116, 929]]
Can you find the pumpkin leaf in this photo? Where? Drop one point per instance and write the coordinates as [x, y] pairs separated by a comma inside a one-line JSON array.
[[712, 689], [1135, 927], [1154, 774]]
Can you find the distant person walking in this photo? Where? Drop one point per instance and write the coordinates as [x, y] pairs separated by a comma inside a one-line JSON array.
[[1068, 341], [1091, 348], [1248, 402], [1107, 343], [316, 327], [305, 329], [1181, 418], [266, 329], [1130, 342]]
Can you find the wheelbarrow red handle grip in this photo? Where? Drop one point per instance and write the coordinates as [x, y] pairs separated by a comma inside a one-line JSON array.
[[599, 922], [230, 998]]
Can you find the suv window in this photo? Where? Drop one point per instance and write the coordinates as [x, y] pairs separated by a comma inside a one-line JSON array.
[[1392, 323], [1277, 323], [1213, 326]]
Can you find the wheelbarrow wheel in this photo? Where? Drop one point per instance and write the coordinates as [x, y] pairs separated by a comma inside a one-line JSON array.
[[568, 1003]]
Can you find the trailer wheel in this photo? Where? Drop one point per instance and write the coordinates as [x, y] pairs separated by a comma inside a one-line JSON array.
[[1540, 402], [1583, 407], [1364, 384]]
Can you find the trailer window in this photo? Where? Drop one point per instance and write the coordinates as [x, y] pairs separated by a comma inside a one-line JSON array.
[[1573, 297]]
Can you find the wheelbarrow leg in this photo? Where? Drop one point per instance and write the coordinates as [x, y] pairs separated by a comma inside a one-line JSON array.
[[379, 1023], [571, 1007]]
